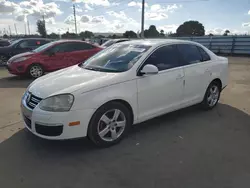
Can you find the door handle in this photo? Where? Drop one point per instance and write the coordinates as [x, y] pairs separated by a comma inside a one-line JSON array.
[[179, 77]]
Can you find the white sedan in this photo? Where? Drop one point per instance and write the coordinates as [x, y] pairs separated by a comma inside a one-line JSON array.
[[124, 84]]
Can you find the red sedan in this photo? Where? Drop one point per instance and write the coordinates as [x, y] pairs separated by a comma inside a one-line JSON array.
[[50, 57]]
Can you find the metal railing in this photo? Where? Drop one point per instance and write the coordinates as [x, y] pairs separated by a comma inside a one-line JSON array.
[[238, 45]]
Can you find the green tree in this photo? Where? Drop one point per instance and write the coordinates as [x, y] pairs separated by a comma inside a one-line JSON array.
[[41, 28], [162, 33], [151, 32], [5, 36], [130, 34], [191, 28], [53, 36], [86, 34], [226, 33], [69, 35]]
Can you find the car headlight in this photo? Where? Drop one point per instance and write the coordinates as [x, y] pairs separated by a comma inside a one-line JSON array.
[[20, 59], [57, 103]]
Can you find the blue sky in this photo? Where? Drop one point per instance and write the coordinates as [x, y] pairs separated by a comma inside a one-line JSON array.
[[121, 15]]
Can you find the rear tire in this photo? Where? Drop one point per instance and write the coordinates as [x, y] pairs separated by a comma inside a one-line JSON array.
[[212, 96], [35, 71], [109, 124], [3, 60]]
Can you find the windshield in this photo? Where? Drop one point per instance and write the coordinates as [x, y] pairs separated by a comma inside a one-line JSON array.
[[43, 47], [13, 43], [117, 58]]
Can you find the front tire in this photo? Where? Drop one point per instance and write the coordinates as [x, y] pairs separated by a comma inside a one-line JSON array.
[[212, 96], [109, 124], [35, 71]]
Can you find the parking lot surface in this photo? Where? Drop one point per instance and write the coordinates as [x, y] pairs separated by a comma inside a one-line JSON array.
[[189, 148]]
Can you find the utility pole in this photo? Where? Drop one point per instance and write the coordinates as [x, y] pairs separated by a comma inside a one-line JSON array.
[[15, 29], [28, 24], [44, 26], [10, 30], [25, 31], [142, 18], [74, 12]]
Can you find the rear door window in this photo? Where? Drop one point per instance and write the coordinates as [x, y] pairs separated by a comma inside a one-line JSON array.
[[83, 46], [63, 47], [190, 53]]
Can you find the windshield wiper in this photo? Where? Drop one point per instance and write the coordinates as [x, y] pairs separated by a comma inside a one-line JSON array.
[[93, 68]]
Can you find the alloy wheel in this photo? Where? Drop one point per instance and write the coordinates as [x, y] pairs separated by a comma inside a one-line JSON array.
[[36, 71], [111, 125], [213, 95]]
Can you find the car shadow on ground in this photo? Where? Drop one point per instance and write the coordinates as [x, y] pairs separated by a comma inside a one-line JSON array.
[[15, 82], [186, 148]]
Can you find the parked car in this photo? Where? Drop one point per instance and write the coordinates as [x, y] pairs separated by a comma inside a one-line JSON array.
[[4, 43], [20, 46], [50, 57], [113, 41], [124, 84]]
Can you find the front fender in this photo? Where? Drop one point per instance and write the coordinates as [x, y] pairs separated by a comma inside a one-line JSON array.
[[126, 91]]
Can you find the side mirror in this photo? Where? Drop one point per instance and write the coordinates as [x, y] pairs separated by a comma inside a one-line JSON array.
[[149, 69]]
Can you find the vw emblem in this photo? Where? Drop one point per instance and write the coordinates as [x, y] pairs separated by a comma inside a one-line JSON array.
[[28, 97]]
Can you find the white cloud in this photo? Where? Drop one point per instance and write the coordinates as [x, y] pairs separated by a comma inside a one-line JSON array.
[[246, 24], [168, 28], [50, 21], [35, 8], [136, 4], [122, 19], [70, 19], [88, 7], [221, 31], [155, 7], [158, 12], [249, 12], [99, 20], [155, 16], [21, 18], [7, 7], [85, 18], [97, 2], [120, 14]]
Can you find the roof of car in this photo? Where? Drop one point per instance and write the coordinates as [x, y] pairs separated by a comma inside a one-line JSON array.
[[35, 39], [157, 42]]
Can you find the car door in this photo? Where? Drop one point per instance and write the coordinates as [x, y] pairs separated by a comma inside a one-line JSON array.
[[162, 92], [58, 56], [82, 51], [22, 46], [197, 72]]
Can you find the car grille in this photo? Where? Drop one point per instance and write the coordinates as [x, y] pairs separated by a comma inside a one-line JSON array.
[[32, 100], [27, 121]]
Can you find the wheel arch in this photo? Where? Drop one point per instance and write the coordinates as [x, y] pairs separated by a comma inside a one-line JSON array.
[[35, 63], [122, 101], [217, 80]]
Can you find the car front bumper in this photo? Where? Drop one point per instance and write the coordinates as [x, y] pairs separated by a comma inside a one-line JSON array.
[[55, 125]]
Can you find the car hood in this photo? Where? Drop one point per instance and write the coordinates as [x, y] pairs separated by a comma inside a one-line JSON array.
[[71, 79], [21, 55]]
